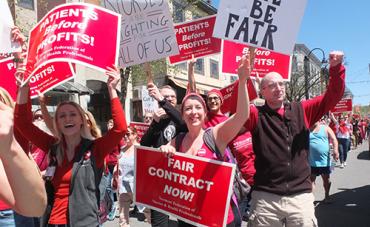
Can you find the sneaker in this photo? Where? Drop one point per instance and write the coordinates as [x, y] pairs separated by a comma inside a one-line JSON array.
[[342, 166], [112, 214], [345, 164]]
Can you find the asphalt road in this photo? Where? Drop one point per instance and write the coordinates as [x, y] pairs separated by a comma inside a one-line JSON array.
[[350, 195]]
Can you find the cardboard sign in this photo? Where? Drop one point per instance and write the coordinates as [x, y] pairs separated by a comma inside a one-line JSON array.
[[6, 24], [195, 38], [265, 60], [7, 79], [150, 105], [344, 105], [147, 30], [76, 33], [196, 190], [272, 25], [230, 94], [140, 127]]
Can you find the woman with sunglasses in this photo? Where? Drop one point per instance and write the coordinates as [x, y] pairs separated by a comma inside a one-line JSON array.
[[76, 158], [126, 171]]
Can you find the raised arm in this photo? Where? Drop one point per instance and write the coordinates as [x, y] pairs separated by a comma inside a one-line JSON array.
[[21, 173], [105, 144], [23, 118], [315, 108], [48, 119], [191, 79], [227, 130]]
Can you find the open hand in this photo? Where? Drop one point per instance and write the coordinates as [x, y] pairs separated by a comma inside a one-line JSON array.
[[113, 77]]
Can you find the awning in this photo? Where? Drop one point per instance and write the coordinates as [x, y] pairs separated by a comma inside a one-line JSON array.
[[202, 88], [73, 87]]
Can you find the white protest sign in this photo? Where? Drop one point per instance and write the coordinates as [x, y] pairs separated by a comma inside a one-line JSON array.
[[269, 24], [6, 24], [150, 105], [147, 32]]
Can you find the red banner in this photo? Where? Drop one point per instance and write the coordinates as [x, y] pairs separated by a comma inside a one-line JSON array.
[[77, 33], [7, 79], [140, 127], [195, 37], [265, 60], [344, 105], [230, 94], [49, 76], [196, 190]]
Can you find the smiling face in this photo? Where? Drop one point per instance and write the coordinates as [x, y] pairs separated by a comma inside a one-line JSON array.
[[213, 103], [130, 136], [69, 120], [193, 112]]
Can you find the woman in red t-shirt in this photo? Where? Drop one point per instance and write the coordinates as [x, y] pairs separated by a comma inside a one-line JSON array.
[[72, 130], [194, 113]]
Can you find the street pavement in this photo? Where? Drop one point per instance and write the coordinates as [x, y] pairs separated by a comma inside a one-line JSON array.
[[350, 195]]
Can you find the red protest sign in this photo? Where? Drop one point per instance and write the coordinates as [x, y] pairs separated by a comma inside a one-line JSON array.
[[196, 38], [7, 79], [344, 105], [49, 76], [140, 127], [230, 94], [196, 190], [77, 33], [265, 60]]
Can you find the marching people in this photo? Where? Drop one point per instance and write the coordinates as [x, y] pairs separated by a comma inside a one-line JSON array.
[[126, 171], [343, 135], [18, 174], [167, 123], [320, 137], [194, 111], [241, 145], [282, 193], [75, 156]]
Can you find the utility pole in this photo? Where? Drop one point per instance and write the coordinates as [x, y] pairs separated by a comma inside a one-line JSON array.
[[306, 65]]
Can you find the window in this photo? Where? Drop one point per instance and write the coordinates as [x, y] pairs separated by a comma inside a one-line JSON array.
[[199, 66], [214, 68], [28, 4], [233, 79], [178, 12], [182, 66]]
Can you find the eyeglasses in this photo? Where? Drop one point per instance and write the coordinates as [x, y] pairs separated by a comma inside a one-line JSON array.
[[274, 85], [216, 98], [148, 118], [128, 134], [38, 117], [169, 96]]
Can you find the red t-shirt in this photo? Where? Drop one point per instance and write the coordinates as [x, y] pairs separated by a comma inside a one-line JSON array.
[[62, 177]]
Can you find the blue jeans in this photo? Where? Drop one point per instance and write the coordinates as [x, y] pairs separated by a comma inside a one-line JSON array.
[[22, 221], [343, 149], [7, 218]]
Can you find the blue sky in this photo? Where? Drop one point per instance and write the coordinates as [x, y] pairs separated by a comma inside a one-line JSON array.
[[340, 25]]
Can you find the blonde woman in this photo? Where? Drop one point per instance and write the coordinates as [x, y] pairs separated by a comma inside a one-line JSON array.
[[76, 158]]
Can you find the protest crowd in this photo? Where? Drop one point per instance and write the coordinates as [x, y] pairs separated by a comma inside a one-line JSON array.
[[213, 159]]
